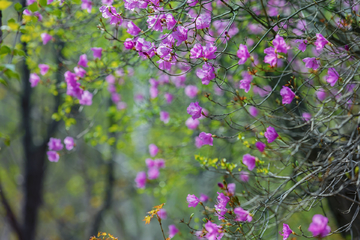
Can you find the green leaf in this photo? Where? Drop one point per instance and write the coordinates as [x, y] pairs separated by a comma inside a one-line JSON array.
[[18, 52], [18, 7], [43, 2], [33, 7], [4, 50], [3, 81]]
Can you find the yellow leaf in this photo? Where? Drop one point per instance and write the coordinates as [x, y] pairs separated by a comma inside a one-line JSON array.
[[159, 206], [13, 26], [4, 5], [147, 219]]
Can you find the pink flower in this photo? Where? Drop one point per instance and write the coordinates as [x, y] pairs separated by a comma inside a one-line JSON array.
[[53, 156], [43, 68], [206, 74], [55, 144], [280, 44], [34, 79], [110, 79], [287, 95], [80, 72], [86, 98], [203, 21], [153, 173], [271, 57], [321, 94], [169, 97], [159, 163], [83, 60], [194, 110], [164, 116], [213, 232], [332, 76], [311, 63], [196, 51], [262, 91], [154, 92], [260, 146], [320, 41], [242, 215], [243, 54], [140, 180], [170, 21], [220, 207], [45, 38], [286, 231], [245, 84], [121, 105], [180, 35], [162, 213], [203, 198], [192, 123], [302, 45], [253, 111], [198, 142], [306, 116], [271, 134], [192, 200], [96, 52], [153, 150], [249, 161], [206, 138], [231, 188], [172, 231], [319, 226], [191, 91], [209, 51], [132, 29], [115, 97], [244, 176], [86, 4], [69, 143], [192, 3]]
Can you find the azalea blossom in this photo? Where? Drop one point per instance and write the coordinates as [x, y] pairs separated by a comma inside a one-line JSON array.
[[34, 79], [271, 134], [194, 110], [332, 76], [249, 161], [192, 200], [320, 41], [206, 138], [243, 54], [319, 227], [286, 231], [287, 95]]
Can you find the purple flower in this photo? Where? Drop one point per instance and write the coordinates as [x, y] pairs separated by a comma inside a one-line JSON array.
[[83, 60], [132, 29], [286, 231], [45, 38], [53, 156], [206, 73], [220, 207], [191, 91], [209, 51], [86, 4], [245, 84], [153, 173], [140, 180], [80, 72], [306, 116], [198, 142], [244, 176], [169, 97], [162, 213], [253, 111], [180, 35], [203, 198], [96, 52], [302, 45], [69, 143], [319, 226], [320, 42], [163, 50], [196, 51], [260, 146], [34, 79], [192, 123], [206, 138], [287, 95], [231, 188], [243, 54], [86, 98], [164, 116], [271, 134], [280, 44], [159, 163], [213, 232], [249, 161], [154, 92], [172, 231], [55, 144], [170, 21], [321, 94], [311, 63], [43, 68], [129, 43], [194, 110], [192, 3], [332, 76], [115, 97], [192, 200], [203, 21], [153, 150], [242, 215]]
